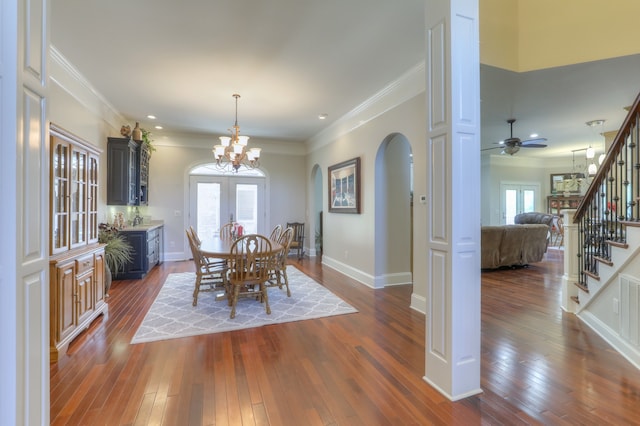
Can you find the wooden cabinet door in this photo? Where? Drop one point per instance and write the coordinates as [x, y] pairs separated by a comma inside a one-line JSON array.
[[99, 278], [84, 296], [63, 309]]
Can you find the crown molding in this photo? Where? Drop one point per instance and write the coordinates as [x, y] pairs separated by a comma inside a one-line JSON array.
[[405, 87], [69, 79]]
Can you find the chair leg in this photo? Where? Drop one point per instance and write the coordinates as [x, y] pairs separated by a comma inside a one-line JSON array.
[[234, 300], [265, 297], [196, 291], [286, 282]]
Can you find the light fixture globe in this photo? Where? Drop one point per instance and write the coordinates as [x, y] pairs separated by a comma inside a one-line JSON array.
[[233, 152]]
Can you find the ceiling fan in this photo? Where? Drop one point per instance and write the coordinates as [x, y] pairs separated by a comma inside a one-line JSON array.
[[512, 145]]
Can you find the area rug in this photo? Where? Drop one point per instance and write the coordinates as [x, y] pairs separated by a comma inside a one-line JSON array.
[[172, 315]]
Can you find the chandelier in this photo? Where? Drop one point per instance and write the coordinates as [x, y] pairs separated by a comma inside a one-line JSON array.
[[233, 152]]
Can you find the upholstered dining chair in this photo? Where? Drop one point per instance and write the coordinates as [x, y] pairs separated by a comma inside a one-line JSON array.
[[297, 243], [278, 274], [275, 234], [250, 261], [210, 276]]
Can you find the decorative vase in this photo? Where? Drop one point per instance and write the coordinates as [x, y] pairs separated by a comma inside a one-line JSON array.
[[136, 133]]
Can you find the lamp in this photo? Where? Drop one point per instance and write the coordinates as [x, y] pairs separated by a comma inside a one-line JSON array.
[[591, 153], [233, 151], [601, 158]]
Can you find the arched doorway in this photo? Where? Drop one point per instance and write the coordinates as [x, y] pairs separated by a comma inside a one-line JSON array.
[[393, 212]]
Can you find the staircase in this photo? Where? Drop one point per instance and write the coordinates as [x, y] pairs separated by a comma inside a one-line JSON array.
[[602, 257]]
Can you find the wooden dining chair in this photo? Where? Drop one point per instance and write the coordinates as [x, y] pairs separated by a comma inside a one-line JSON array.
[[194, 234], [226, 230], [210, 276], [250, 261], [211, 261], [275, 234], [278, 273], [297, 243]]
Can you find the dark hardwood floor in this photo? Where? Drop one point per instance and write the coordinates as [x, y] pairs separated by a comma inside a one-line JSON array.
[[540, 365]]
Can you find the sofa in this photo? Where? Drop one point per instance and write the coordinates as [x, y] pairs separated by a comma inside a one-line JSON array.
[[512, 245], [534, 217]]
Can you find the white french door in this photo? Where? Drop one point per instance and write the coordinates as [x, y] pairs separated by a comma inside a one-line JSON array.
[[517, 198], [216, 200]]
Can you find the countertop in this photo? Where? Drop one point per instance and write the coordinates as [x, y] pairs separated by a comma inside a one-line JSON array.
[[144, 226]]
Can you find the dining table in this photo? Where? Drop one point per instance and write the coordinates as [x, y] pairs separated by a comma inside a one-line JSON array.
[[220, 248]]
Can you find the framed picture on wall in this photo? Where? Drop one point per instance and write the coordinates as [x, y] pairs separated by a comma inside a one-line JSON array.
[[565, 183], [557, 185], [344, 187]]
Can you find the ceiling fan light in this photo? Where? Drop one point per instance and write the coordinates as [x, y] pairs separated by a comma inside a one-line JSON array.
[[511, 149]]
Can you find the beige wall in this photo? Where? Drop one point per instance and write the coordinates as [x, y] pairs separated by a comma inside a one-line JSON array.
[[169, 188], [349, 239], [525, 35]]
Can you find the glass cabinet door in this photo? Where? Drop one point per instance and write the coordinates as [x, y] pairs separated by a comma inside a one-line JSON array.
[[74, 192], [133, 183], [78, 198], [59, 197], [92, 200]]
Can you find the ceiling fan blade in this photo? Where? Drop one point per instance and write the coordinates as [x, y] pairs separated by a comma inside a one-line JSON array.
[[533, 143], [493, 147]]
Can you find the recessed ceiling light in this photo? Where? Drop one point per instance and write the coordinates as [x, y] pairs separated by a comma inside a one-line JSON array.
[[533, 135], [151, 117], [158, 127], [323, 116]]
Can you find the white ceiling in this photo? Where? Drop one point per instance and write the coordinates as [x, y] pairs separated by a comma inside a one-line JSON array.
[[291, 60]]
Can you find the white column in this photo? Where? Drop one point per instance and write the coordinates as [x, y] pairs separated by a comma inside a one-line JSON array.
[[8, 277], [24, 190], [570, 276], [453, 183]]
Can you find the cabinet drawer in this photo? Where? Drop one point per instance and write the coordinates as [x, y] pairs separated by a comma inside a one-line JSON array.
[[84, 263]]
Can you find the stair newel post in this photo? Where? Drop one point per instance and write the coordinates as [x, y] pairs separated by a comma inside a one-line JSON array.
[[571, 272]]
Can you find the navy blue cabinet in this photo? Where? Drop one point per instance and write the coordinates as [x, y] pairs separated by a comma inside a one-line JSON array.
[[127, 172], [146, 242]]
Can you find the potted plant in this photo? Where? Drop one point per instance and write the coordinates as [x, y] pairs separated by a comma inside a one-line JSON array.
[[117, 252], [146, 139]]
